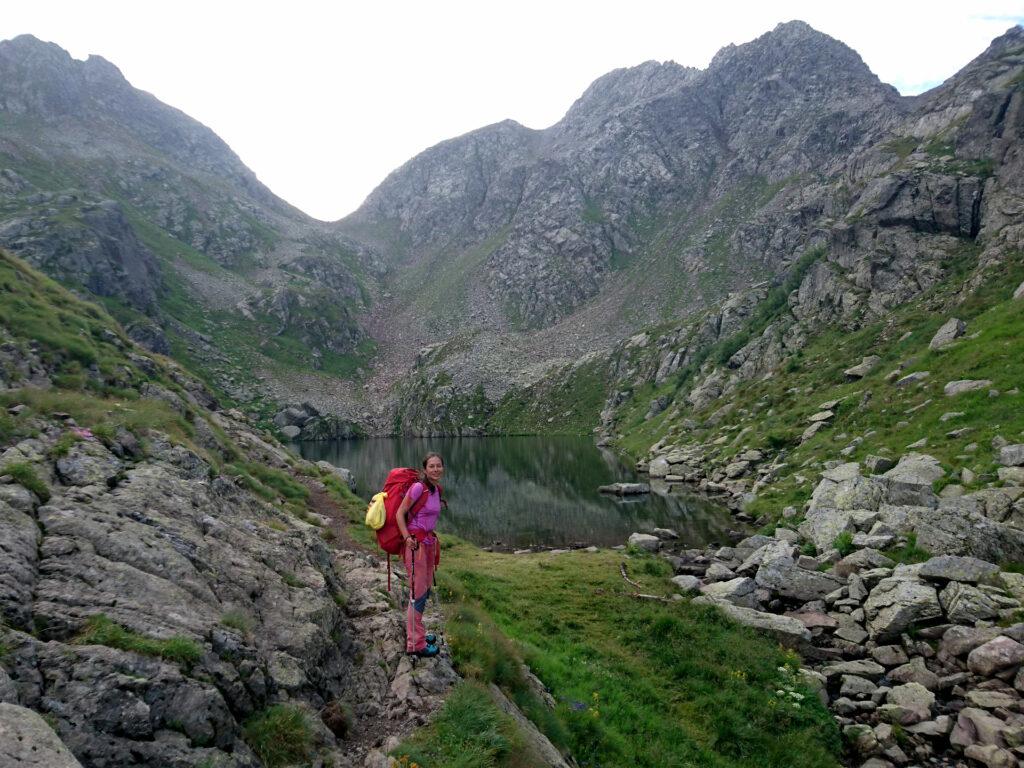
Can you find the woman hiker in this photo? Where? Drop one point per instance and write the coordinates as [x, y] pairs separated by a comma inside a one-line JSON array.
[[420, 551]]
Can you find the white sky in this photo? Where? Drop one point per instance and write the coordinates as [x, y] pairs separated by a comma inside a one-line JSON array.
[[323, 99]]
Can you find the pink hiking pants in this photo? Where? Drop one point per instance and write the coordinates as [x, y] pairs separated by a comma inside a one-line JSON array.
[[415, 635]]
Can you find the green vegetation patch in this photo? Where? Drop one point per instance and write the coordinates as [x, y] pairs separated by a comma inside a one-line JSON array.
[[68, 329], [567, 401], [468, 732], [637, 683], [100, 630], [25, 474], [279, 736]]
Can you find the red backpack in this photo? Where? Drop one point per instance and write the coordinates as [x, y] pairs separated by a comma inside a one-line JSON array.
[[397, 484]]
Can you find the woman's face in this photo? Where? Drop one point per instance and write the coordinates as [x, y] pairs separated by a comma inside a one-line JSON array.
[[434, 469]]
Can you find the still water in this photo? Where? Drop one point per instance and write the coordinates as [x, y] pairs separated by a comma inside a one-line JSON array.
[[525, 491]]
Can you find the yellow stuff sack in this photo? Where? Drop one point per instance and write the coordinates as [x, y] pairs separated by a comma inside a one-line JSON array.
[[376, 513]]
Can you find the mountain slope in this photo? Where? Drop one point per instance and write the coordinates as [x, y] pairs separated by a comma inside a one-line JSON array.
[[859, 197], [116, 193]]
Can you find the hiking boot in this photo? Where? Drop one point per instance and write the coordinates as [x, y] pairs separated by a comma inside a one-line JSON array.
[[431, 639], [426, 653]]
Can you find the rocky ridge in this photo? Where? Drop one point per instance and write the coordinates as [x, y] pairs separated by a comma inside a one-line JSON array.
[[885, 218]]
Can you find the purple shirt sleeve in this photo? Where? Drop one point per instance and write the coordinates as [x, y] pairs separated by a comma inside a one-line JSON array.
[[414, 492]]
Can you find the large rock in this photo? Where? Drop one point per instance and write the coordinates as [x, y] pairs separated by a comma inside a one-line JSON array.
[[739, 591], [1012, 455], [861, 560], [896, 604], [950, 331], [659, 467], [966, 604], [27, 741], [954, 388], [992, 756], [916, 469], [976, 726], [787, 631], [88, 463], [344, 474], [19, 556], [958, 526], [907, 704], [915, 671], [686, 584], [997, 655], [863, 368], [780, 574], [645, 541], [954, 568], [536, 743], [959, 641], [823, 525]]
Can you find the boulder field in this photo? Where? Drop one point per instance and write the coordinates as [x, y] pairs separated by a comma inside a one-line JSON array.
[[919, 661]]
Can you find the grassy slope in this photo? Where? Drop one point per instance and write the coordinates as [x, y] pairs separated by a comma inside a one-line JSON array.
[[638, 683]]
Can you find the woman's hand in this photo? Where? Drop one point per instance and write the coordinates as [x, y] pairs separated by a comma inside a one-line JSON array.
[[412, 543]]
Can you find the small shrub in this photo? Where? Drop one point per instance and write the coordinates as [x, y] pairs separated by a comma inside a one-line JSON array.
[[909, 553], [337, 716], [64, 444], [808, 548], [100, 630], [279, 736], [25, 474], [779, 439], [844, 543], [291, 580]]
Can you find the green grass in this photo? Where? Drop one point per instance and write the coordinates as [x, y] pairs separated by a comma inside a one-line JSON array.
[[68, 329], [25, 474], [468, 732], [64, 444], [844, 543], [279, 736], [238, 620], [100, 630], [637, 683], [105, 415], [902, 146], [567, 401], [909, 553], [14, 428]]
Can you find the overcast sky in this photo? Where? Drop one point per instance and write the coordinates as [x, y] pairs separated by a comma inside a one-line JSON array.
[[323, 99]]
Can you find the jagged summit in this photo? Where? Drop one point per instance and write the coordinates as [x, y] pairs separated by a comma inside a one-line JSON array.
[[625, 87], [798, 55]]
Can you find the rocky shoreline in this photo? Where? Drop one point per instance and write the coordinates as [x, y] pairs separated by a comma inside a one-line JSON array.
[[920, 662]]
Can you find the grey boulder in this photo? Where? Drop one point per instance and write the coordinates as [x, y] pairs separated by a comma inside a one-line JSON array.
[[896, 604], [27, 741]]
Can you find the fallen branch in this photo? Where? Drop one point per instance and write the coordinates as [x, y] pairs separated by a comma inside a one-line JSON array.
[[640, 596], [622, 570]]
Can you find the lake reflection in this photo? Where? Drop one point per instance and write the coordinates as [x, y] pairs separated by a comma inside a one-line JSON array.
[[526, 491]]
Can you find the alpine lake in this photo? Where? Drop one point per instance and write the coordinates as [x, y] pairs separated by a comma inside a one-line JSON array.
[[521, 492]]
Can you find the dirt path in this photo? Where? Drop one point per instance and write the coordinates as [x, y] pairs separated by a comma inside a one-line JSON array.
[[392, 693]]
